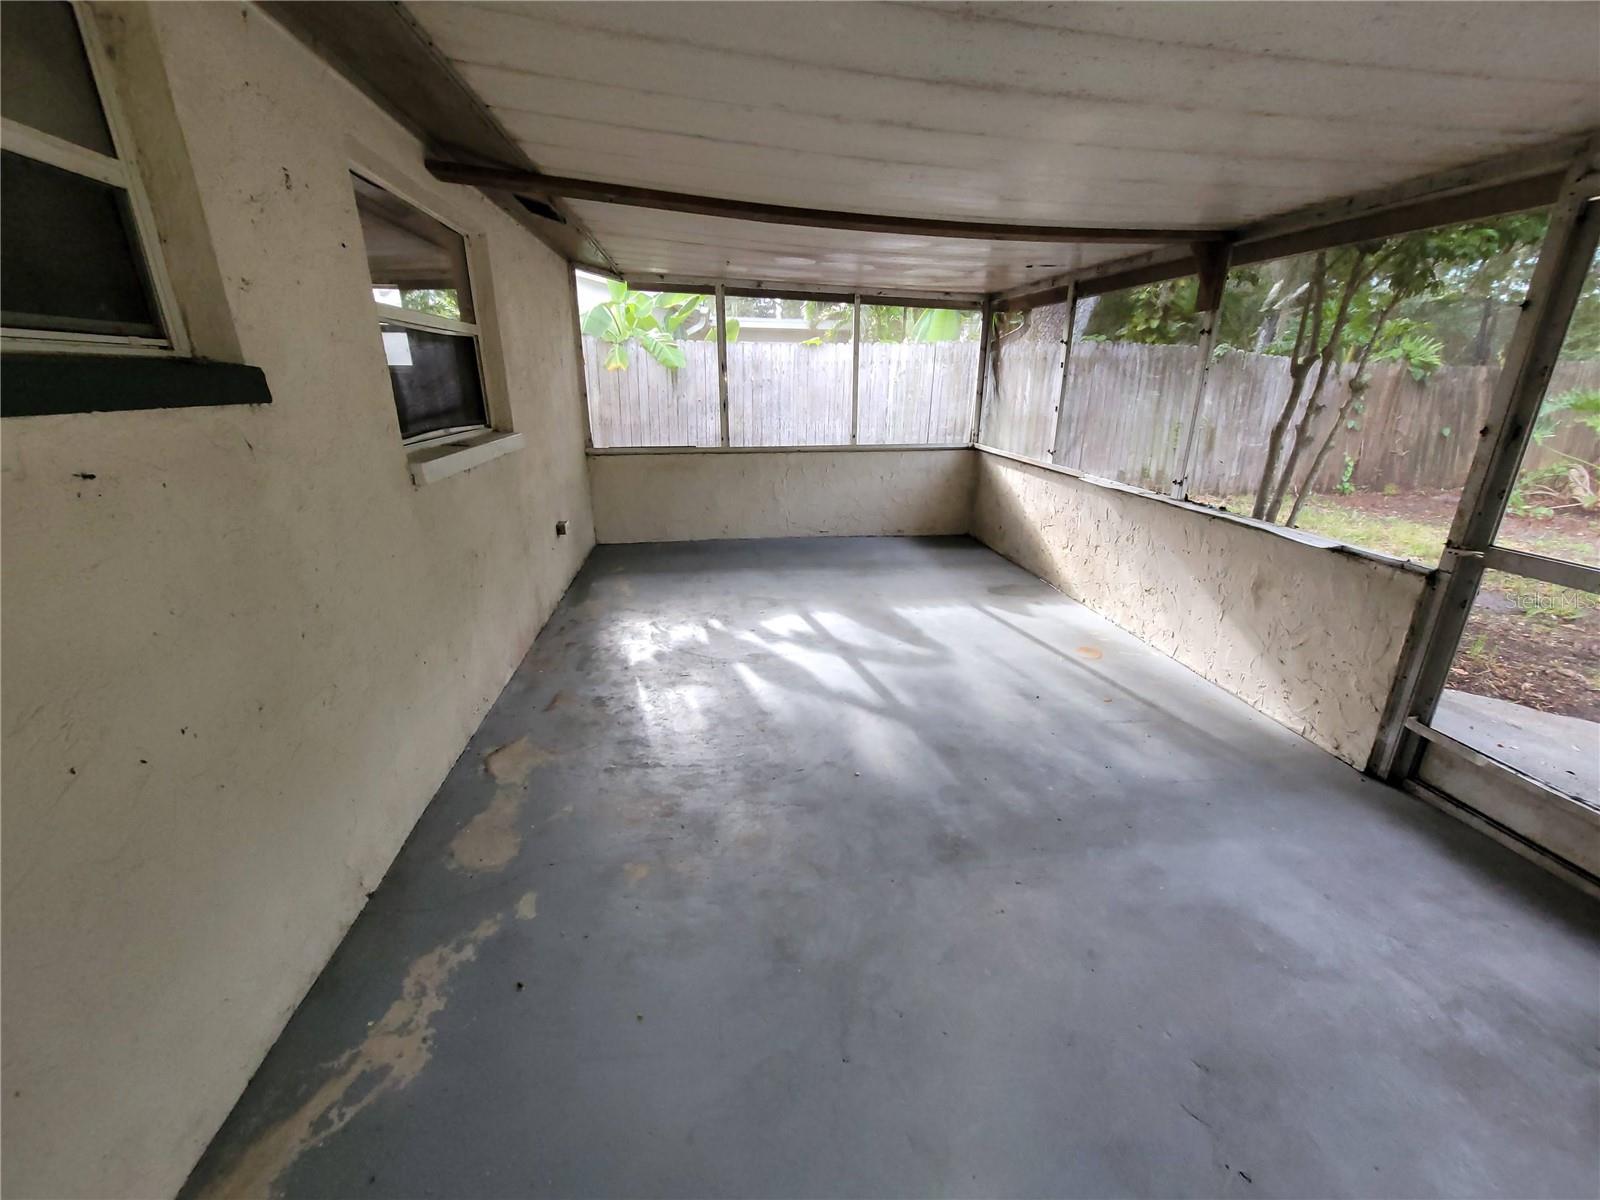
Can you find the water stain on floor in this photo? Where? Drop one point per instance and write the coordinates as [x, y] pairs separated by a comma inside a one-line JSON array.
[[397, 1047], [492, 839]]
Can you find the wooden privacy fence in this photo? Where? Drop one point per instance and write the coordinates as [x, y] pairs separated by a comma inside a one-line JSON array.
[[648, 405], [1124, 415], [786, 394], [1025, 384], [1126, 405]]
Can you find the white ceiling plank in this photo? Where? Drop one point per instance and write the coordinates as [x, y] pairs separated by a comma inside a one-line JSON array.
[[1160, 115]]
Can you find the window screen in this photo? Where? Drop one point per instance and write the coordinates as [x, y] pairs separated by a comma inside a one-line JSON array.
[[1375, 449], [1131, 383], [1027, 380], [649, 365], [790, 372], [918, 375]]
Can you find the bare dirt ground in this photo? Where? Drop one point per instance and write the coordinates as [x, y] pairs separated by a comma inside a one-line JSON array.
[[1541, 662]]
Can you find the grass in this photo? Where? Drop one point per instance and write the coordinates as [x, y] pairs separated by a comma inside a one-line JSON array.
[[1422, 541], [1398, 536]]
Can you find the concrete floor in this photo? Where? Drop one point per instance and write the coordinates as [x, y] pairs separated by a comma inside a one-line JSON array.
[[878, 868]]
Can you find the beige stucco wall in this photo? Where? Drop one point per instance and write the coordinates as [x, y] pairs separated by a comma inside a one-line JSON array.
[[1308, 635], [799, 493], [239, 660]]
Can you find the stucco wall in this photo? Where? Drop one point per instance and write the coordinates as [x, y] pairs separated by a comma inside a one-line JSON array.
[[242, 656], [1309, 636], [686, 497]]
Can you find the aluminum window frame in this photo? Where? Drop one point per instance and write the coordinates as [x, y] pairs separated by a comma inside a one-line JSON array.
[[719, 293], [494, 417], [121, 172]]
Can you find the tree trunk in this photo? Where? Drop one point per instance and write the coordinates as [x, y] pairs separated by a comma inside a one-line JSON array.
[[1298, 367], [1313, 410], [1480, 344], [1314, 405], [1358, 388], [1297, 382]]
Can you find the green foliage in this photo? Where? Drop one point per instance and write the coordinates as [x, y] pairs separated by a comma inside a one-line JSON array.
[[659, 323], [1347, 476], [935, 325], [441, 302], [1529, 490], [1581, 406], [832, 320], [1403, 537], [1159, 314], [1539, 491], [1437, 287], [1420, 352], [1583, 334]]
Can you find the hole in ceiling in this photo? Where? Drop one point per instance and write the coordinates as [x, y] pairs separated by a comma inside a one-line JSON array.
[[540, 209]]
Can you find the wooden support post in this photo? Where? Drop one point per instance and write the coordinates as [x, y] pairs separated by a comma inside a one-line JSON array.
[[722, 366], [985, 343], [855, 369], [1212, 281], [583, 370], [1055, 450]]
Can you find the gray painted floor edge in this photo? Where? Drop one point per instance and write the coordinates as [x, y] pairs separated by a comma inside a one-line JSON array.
[[876, 867]]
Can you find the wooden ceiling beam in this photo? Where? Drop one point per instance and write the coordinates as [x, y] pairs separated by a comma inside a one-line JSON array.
[[790, 290], [537, 183]]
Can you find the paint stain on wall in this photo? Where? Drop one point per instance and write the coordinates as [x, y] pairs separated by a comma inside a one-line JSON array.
[[493, 838], [396, 1049]]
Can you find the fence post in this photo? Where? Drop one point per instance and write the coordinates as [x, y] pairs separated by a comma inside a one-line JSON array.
[[985, 341], [722, 366], [1055, 450], [1209, 286], [855, 368]]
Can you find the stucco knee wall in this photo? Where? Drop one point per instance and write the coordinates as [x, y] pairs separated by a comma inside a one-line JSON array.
[[1307, 635], [756, 494]]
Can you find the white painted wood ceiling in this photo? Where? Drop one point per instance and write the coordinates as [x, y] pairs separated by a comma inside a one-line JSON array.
[[1176, 115]]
